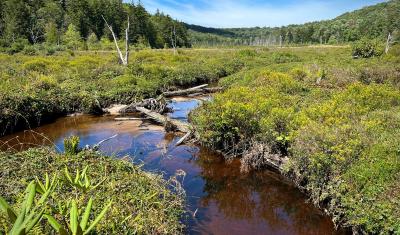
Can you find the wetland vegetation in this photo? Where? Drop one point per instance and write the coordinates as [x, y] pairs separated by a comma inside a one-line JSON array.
[[324, 115]]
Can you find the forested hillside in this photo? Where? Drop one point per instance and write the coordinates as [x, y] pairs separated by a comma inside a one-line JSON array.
[[77, 23], [372, 22]]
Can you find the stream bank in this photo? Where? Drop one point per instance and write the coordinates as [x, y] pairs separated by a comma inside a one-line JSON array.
[[219, 199]]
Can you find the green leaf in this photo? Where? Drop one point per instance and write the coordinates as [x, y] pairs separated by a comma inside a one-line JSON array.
[[47, 181], [56, 226], [86, 215], [40, 188], [77, 176], [48, 192], [30, 196], [87, 182], [98, 218], [74, 218], [66, 173], [84, 171], [17, 227], [32, 220], [4, 206], [53, 222]]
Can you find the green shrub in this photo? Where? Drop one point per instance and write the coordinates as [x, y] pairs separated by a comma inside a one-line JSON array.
[[281, 58], [17, 46], [4, 43], [300, 74], [366, 48], [247, 53], [30, 50], [341, 143], [50, 50], [71, 145], [37, 65], [243, 113]]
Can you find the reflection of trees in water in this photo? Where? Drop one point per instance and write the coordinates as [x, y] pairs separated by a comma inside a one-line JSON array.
[[259, 195], [85, 126], [47, 134]]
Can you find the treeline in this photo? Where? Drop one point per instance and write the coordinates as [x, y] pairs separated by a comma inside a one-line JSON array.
[[74, 23], [373, 22]]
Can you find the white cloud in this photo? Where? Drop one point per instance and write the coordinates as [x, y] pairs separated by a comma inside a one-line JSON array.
[[245, 13]]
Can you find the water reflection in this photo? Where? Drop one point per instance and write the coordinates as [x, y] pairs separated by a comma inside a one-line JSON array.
[[220, 199]]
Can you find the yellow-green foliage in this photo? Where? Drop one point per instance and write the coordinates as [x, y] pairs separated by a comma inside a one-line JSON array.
[[334, 116], [265, 106], [341, 137], [142, 203], [37, 88]]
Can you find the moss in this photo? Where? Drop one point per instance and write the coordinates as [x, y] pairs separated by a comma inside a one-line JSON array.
[[143, 202]]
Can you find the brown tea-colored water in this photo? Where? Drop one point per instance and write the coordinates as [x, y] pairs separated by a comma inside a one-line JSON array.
[[220, 199]]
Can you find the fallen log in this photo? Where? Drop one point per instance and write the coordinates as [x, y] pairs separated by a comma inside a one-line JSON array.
[[191, 91], [213, 89], [169, 124], [128, 119], [181, 140], [184, 92], [159, 105]]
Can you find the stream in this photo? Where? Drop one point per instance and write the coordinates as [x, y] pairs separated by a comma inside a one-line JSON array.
[[220, 199]]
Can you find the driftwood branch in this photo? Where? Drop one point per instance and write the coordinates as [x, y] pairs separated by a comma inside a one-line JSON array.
[[170, 124], [160, 106], [97, 146], [198, 89], [128, 119], [181, 140]]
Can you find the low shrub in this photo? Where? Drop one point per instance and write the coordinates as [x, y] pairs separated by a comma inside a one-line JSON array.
[[281, 58], [71, 145], [30, 50], [37, 65], [17, 46], [243, 113], [366, 48], [341, 143], [50, 50]]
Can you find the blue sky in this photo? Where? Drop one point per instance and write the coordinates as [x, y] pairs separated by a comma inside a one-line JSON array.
[[247, 13]]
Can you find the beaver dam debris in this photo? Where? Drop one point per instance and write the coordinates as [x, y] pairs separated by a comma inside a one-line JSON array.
[[155, 108]]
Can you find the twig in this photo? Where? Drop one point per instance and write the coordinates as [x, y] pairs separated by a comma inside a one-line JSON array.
[[183, 138], [96, 146]]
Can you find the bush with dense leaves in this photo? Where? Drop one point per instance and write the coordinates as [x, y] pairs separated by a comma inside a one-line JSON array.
[[342, 143], [366, 48]]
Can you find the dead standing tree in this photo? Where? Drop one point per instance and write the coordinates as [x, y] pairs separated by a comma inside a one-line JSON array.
[[388, 42], [123, 60], [173, 38]]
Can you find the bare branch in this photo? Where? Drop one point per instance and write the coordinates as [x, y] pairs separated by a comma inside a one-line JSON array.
[[123, 60]]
